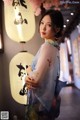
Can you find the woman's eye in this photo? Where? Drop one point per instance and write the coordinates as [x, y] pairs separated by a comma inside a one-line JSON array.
[[42, 22], [49, 25]]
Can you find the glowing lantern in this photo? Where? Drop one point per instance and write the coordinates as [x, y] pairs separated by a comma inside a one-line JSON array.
[[56, 3], [17, 72], [19, 20]]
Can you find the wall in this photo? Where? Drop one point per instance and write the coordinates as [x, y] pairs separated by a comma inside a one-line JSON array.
[[11, 48], [76, 57]]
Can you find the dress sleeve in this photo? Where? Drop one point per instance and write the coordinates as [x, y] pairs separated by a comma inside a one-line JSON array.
[[43, 64]]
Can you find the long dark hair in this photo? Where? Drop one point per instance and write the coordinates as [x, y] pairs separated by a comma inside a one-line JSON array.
[[56, 19]]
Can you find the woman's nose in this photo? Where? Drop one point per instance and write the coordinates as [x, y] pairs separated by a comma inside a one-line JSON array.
[[44, 27]]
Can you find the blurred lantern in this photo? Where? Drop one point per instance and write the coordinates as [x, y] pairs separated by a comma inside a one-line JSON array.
[[19, 20], [47, 4], [18, 71], [56, 3]]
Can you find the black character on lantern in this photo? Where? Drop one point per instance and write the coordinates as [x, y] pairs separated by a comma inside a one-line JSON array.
[[15, 3], [22, 73], [19, 19]]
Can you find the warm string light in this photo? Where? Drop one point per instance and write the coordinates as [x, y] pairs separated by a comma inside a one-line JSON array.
[[72, 13], [68, 20], [64, 26]]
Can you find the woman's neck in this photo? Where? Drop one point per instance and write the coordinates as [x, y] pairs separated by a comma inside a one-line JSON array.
[[51, 40]]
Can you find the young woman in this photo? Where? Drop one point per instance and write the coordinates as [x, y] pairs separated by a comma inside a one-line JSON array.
[[45, 67]]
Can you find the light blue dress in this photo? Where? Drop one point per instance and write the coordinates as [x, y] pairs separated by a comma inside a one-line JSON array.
[[45, 69]]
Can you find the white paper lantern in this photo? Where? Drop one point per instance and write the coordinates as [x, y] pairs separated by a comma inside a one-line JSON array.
[[19, 21], [17, 72]]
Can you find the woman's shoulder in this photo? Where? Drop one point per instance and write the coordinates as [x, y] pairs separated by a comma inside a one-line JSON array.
[[47, 45]]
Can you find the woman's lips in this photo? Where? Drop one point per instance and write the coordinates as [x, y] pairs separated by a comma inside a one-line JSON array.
[[43, 33]]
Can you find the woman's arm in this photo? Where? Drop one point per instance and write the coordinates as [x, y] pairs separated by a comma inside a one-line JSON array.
[[41, 67]]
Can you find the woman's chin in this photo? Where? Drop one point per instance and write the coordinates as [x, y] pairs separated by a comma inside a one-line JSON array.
[[43, 37]]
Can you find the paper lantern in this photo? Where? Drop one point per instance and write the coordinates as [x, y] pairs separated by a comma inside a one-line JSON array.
[[1, 31], [17, 72], [19, 21]]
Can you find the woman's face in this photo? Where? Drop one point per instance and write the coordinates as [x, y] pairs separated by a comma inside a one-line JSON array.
[[46, 31]]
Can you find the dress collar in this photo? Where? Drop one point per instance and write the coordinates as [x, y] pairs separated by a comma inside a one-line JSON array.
[[52, 42]]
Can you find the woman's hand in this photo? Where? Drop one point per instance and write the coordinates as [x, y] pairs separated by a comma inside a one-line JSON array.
[[28, 70], [31, 83]]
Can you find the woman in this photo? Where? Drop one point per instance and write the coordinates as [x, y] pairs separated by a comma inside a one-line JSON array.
[[45, 67]]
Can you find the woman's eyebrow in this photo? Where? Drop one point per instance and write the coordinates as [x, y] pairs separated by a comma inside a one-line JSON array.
[[46, 22]]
